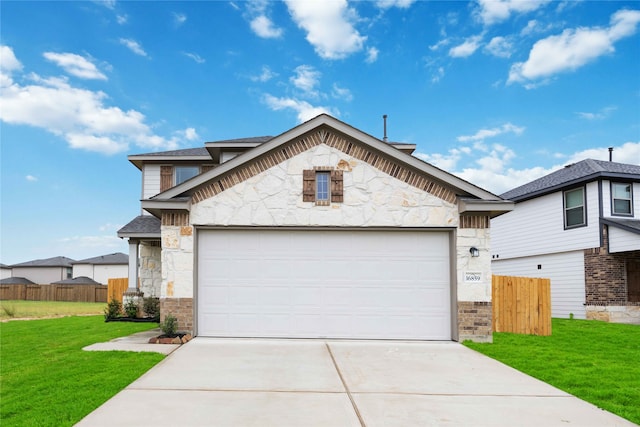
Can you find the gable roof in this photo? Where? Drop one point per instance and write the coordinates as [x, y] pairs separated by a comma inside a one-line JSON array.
[[627, 224], [58, 261], [174, 198], [116, 258], [584, 171]]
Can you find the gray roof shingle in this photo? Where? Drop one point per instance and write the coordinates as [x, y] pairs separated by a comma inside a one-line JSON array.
[[80, 280], [196, 151], [143, 226], [16, 281], [583, 171], [628, 224], [116, 258], [58, 261]]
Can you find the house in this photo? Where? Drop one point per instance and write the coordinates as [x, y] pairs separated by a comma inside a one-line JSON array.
[[44, 271], [5, 271], [579, 227], [80, 280], [321, 231], [102, 268]]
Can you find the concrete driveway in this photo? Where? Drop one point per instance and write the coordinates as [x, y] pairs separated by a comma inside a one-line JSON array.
[[260, 382]]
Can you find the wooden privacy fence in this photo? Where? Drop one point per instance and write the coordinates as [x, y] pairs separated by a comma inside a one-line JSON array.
[[521, 305], [73, 293], [117, 287]]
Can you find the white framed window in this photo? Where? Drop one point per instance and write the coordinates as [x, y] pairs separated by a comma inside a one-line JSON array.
[[574, 208], [621, 199], [183, 173], [323, 182]]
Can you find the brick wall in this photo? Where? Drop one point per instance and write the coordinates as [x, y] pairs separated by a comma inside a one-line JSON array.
[[605, 275], [181, 309], [475, 321]]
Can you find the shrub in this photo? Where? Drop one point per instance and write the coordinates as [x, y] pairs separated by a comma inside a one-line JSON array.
[[169, 325], [131, 308], [113, 309], [151, 307], [9, 310]]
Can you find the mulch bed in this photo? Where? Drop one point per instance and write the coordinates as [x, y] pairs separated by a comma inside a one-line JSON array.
[[179, 338]]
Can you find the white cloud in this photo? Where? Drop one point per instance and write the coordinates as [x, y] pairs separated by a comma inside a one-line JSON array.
[[197, 58], [122, 19], [500, 47], [402, 4], [437, 75], [76, 65], [265, 75], [483, 134], [259, 20], [602, 114], [329, 26], [179, 18], [629, 153], [573, 48], [133, 46], [440, 44], [494, 11], [265, 28], [303, 109], [190, 134], [341, 93], [372, 55], [306, 78], [467, 48], [31, 178], [79, 116], [8, 60]]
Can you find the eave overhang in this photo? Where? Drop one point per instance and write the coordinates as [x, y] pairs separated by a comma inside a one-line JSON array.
[[156, 206], [493, 208]]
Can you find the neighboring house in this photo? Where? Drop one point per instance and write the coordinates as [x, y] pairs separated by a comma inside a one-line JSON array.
[[5, 271], [322, 231], [44, 271], [580, 227], [81, 280], [16, 281], [102, 268]]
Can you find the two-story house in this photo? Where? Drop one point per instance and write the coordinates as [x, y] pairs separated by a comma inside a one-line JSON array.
[[321, 231], [579, 227]]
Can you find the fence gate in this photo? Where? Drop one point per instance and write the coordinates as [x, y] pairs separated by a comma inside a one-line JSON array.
[[521, 305]]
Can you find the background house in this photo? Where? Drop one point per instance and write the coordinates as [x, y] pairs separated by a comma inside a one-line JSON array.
[[5, 271], [580, 227], [322, 231], [44, 271], [102, 268]]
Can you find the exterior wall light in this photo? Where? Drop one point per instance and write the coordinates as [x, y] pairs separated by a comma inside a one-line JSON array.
[[474, 252]]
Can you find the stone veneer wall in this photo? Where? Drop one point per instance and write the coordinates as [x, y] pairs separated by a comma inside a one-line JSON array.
[[150, 268], [181, 309], [475, 321]]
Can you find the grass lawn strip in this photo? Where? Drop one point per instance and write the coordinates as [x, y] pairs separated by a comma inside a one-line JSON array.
[[39, 309], [48, 380], [596, 361]]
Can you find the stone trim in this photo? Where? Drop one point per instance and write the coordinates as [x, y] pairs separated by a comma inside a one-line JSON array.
[[177, 218], [475, 321], [334, 140], [181, 309], [474, 221]]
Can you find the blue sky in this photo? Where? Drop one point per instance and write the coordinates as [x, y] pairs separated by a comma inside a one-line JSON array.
[[497, 92]]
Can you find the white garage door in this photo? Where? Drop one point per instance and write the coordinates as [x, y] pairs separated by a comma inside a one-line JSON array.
[[316, 284]]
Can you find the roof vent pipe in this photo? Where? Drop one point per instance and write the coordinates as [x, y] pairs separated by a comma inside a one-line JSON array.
[[385, 139], [610, 154]]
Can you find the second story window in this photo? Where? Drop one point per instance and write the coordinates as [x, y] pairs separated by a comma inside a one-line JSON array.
[[574, 208], [183, 173], [621, 199]]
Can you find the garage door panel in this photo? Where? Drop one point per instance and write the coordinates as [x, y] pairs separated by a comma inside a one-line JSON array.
[[356, 284]]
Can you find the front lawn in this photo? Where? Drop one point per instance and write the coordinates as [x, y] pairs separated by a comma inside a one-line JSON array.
[[48, 380], [38, 309], [596, 361]]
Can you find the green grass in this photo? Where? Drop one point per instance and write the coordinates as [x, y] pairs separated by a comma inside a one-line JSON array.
[[38, 309], [48, 380], [596, 361]]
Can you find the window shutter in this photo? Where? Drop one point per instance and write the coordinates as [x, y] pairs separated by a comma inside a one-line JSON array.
[[308, 186], [166, 178], [337, 186]]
